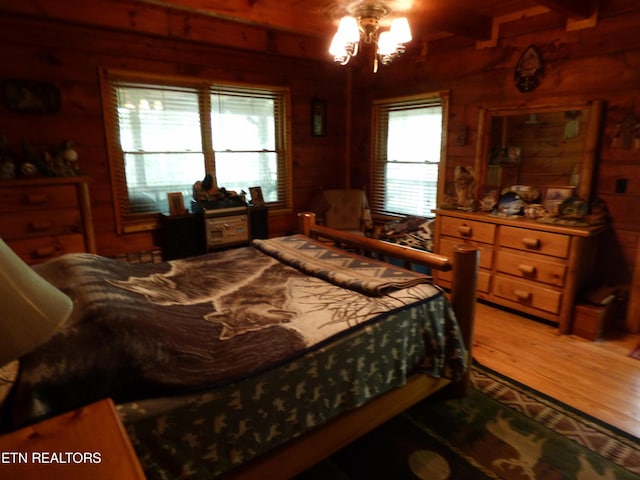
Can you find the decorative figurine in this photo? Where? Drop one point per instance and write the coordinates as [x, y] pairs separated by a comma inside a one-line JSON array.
[[62, 161], [204, 190], [465, 185], [7, 165]]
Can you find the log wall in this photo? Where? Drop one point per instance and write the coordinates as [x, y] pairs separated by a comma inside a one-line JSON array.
[[69, 56], [602, 63], [595, 63]]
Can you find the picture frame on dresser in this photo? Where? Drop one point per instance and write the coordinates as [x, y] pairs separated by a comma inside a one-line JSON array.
[[554, 196], [176, 203], [257, 199]]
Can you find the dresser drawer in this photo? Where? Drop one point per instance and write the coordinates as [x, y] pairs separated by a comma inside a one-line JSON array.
[[531, 267], [484, 277], [447, 245], [527, 293], [43, 197], [555, 244], [40, 223], [467, 229], [40, 249]]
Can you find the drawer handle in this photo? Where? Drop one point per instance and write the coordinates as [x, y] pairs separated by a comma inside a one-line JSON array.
[[36, 199], [44, 252], [531, 242], [41, 226], [522, 294], [528, 269], [465, 230]]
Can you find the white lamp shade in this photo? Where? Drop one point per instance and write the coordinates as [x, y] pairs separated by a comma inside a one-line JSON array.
[[32, 308], [348, 29], [337, 47], [386, 44], [400, 30]]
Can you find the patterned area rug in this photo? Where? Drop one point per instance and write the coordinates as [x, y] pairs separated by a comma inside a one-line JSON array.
[[500, 430]]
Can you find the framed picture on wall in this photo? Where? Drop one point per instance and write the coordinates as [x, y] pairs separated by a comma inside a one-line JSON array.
[[176, 203], [318, 117], [30, 97]]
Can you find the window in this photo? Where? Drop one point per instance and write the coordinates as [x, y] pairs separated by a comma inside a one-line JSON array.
[[164, 134], [407, 149]]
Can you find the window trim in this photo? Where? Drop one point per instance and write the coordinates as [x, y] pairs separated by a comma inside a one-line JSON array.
[[127, 222], [377, 113]]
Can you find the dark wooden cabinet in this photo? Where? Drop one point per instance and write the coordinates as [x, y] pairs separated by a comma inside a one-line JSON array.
[[259, 222], [182, 236]]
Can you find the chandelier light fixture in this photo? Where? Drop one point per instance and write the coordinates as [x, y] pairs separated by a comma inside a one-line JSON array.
[[363, 26]]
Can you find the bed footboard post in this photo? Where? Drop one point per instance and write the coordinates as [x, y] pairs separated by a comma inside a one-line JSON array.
[[306, 220], [466, 259]]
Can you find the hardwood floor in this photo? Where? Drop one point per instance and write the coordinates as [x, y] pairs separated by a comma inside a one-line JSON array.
[[598, 378]]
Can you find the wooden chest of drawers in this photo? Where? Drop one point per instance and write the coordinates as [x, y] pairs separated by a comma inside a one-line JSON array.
[[46, 217], [532, 267]]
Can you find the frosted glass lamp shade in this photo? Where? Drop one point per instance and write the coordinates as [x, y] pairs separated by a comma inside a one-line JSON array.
[[32, 308], [400, 30]]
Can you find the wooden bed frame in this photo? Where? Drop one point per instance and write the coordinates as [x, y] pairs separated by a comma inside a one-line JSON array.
[[300, 454]]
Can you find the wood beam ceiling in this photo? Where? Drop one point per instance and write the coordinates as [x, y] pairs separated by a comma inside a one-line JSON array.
[[574, 9], [207, 20]]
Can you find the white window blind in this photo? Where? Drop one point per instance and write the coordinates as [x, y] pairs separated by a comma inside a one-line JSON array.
[[161, 141], [248, 148], [407, 150], [166, 135]]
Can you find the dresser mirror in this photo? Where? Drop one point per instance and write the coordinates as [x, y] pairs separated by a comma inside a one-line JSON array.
[[538, 147]]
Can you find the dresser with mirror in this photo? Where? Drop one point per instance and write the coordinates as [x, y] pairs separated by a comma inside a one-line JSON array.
[[544, 158]]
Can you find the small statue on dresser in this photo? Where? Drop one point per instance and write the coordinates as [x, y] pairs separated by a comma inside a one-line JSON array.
[[7, 165], [204, 190], [62, 161], [465, 187]]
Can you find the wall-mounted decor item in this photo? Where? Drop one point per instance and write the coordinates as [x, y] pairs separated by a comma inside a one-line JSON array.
[[30, 97], [529, 70], [318, 118], [627, 133]]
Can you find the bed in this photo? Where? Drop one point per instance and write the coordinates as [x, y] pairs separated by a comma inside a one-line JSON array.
[[297, 348]]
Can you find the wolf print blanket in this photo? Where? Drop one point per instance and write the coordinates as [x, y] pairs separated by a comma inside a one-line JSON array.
[[143, 329], [339, 267]]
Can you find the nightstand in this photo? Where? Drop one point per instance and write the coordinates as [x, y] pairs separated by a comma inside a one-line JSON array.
[[87, 443], [183, 236]]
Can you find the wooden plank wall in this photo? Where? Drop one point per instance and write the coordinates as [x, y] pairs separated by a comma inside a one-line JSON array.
[[69, 56], [36, 43], [596, 63]]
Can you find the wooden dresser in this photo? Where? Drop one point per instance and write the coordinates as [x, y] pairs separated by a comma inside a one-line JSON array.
[[46, 217], [532, 267]]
